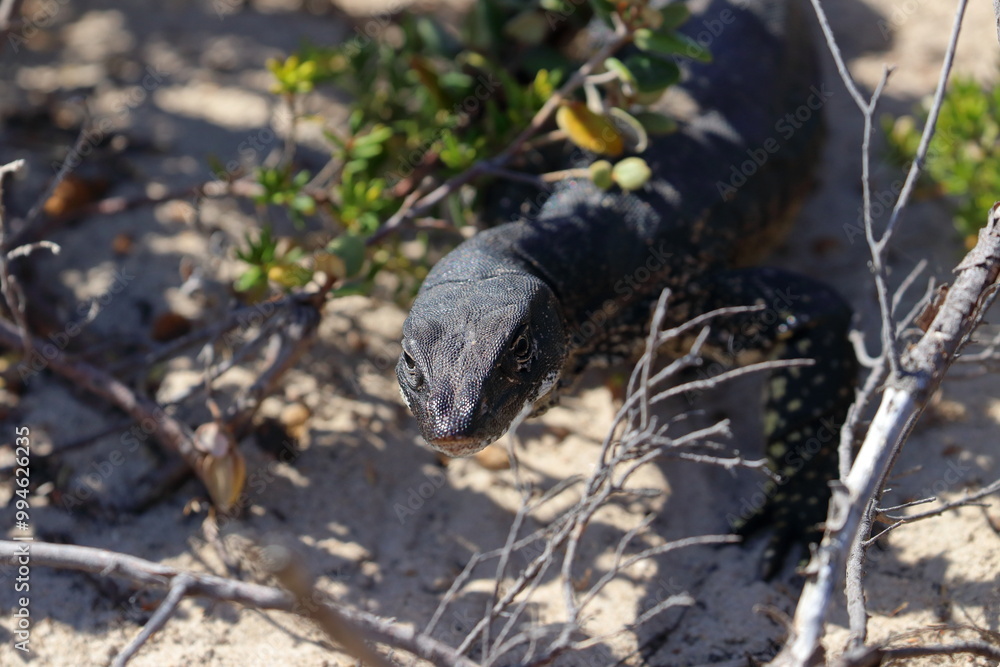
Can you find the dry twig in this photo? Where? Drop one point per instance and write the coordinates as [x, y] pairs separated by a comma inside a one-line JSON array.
[[155, 575], [904, 399], [910, 383], [634, 440]]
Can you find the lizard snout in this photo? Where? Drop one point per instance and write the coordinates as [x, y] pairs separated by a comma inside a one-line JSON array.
[[457, 445]]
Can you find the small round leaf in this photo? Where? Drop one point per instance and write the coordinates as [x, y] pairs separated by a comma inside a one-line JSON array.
[[631, 173], [600, 174]]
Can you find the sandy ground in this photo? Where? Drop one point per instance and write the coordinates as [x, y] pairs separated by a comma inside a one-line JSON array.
[[184, 81]]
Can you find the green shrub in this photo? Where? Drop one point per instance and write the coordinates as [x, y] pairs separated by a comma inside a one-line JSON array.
[[963, 159]]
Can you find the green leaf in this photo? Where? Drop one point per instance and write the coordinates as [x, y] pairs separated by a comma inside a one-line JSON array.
[[356, 120], [454, 153], [304, 204], [671, 43], [544, 84], [652, 74], [435, 38], [656, 123], [350, 248], [379, 134], [250, 278], [674, 15], [334, 139], [366, 151], [456, 82], [630, 128], [484, 26]]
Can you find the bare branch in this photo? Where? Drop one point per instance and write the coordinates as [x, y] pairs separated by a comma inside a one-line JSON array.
[[874, 656], [966, 500], [904, 399], [925, 139], [157, 575], [9, 288], [169, 432], [905, 396], [178, 590]]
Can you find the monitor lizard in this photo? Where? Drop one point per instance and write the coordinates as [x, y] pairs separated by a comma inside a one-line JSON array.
[[511, 316]]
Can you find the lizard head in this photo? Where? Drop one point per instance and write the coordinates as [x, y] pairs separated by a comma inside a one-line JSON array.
[[477, 353]]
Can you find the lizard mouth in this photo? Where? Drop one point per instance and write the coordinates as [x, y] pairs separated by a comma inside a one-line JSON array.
[[459, 446]]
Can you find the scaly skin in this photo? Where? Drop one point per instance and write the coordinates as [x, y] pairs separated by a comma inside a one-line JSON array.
[[513, 314]]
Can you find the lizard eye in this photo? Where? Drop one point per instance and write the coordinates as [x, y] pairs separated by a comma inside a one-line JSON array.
[[521, 349], [413, 376]]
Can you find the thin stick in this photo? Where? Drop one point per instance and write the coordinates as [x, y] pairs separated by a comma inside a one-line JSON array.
[[880, 656], [178, 590], [64, 171], [157, 575], [967, 499], [281, 562], [9, 288], [929, 127]]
